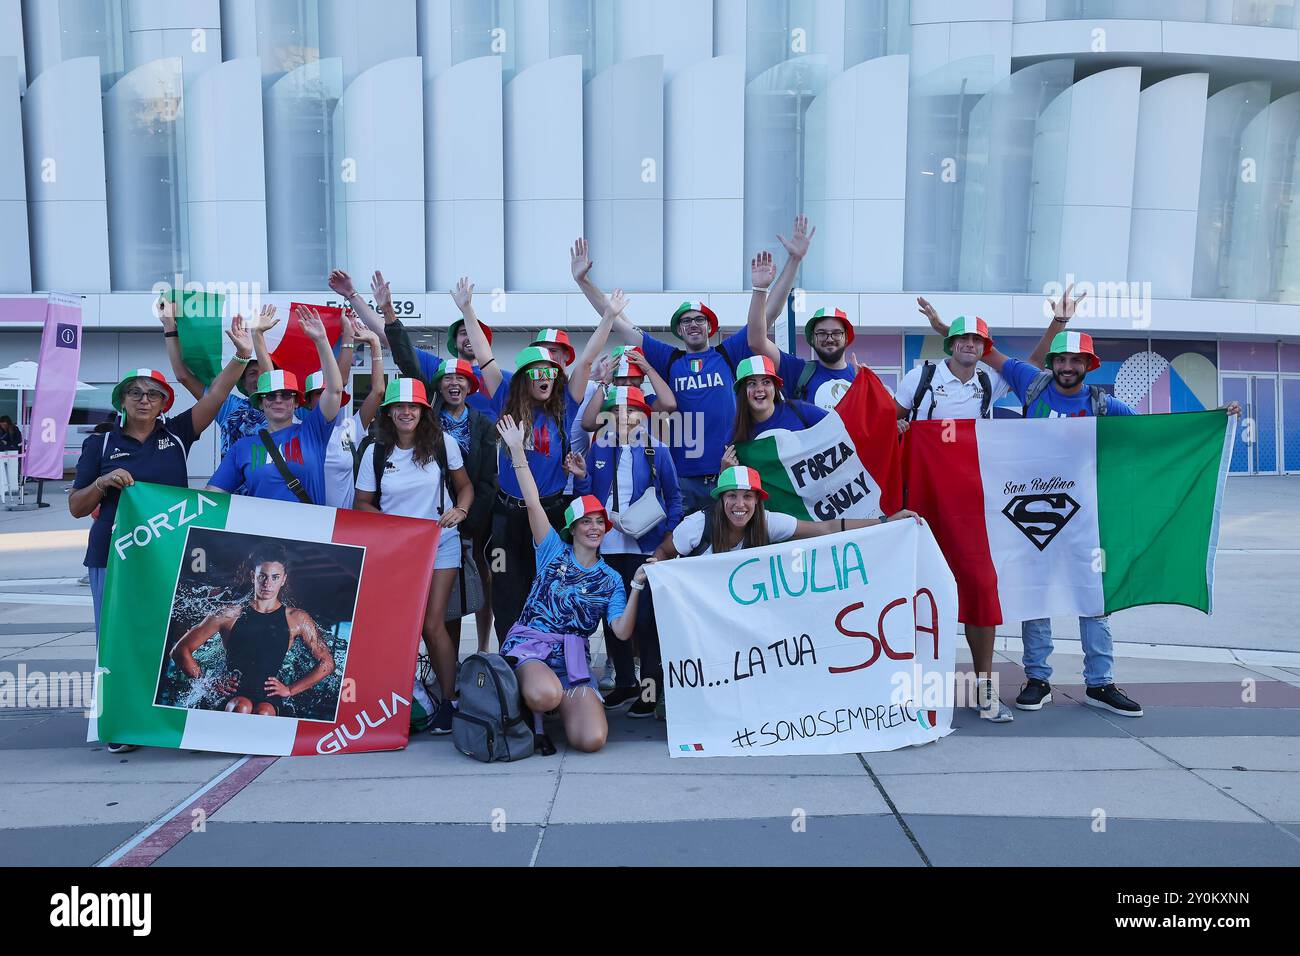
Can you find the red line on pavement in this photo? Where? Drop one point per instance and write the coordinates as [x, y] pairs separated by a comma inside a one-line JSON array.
[[180, 824]]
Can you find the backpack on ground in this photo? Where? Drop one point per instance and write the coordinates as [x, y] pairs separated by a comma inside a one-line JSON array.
[[927, 377], [1096, 395], [490, 724]]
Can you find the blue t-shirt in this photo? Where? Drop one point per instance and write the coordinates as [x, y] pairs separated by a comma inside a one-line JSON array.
[[705, 389], [237, 418], [567, 598], [479, 401], [544, 448], [159, 459], [826, 386], [1051, 403], [249, 470], [785, 416]]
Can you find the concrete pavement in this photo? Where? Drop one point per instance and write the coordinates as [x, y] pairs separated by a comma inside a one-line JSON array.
[[1211, 775]]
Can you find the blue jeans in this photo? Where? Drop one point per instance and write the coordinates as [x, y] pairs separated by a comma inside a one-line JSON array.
[[696, 492], [1098, 649], [97, 578]]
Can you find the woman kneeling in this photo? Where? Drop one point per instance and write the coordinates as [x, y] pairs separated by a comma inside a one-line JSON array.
[[573, 590]]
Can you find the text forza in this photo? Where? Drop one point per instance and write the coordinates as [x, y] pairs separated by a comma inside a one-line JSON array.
[[338, 738], [75, 909], [145, 533]]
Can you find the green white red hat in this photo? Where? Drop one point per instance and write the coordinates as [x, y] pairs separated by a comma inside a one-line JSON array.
[[699, 307], [276, 381], [829, 314], [580, 508], [532, 356], [316, 383], [757, 365], [454, 330], [1078, 342], [456, 367], [556, 338], [623, 367], [406, 391], [155, 376], [627, 395], [739, 479], [967, 325]]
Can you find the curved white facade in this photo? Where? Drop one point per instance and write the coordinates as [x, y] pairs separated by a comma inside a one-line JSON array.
[[972, 152]]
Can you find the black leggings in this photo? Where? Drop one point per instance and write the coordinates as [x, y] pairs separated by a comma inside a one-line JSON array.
[[513, 560]]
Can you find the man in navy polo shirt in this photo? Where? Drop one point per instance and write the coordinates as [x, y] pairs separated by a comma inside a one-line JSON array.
[[702, 379]]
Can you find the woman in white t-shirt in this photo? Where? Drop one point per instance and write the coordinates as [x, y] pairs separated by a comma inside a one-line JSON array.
[[413, 483]]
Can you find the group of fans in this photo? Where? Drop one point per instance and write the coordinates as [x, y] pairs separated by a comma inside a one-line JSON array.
[[561, 481]]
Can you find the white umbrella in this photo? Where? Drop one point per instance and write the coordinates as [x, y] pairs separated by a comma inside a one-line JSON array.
[[22, 376]]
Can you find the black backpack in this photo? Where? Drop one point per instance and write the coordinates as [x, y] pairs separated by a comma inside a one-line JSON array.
[[927, 376], [800, 392]]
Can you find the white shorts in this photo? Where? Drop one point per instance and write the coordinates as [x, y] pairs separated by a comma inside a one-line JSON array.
[[448, 549]]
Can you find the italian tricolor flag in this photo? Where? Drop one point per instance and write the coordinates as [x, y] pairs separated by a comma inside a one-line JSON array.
[[177, 557], [848, 465], [1063, 516]]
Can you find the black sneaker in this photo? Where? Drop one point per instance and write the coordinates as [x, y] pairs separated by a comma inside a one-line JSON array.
[[441, 723], [1034, 695], [1113, 699], [619, 696], [642, 709]]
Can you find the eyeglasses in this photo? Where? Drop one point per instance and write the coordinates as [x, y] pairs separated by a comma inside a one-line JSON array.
[[542, 374], [281, 396], [829, 336], [141, 395], [693, 320]]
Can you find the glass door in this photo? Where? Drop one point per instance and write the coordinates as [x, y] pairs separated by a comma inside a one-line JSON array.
[[1255, 451]]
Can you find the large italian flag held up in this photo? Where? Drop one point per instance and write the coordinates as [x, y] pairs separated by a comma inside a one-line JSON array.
[[1071, 516], [848, 465], [158, 569]]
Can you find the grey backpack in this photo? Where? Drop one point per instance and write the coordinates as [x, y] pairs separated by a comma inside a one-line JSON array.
[[489, 722]]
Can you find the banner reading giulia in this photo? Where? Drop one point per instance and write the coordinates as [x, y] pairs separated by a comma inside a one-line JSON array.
[[840, 644], [247, 626]]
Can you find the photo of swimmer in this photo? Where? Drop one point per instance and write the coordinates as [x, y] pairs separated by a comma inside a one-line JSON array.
[[260, 626]]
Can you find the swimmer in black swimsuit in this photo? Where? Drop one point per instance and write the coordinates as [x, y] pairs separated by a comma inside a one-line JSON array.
[[257, 637]]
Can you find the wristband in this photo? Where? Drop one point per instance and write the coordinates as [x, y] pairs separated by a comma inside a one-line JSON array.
[[486, 364], [172, 334], [350, 345], [242, 358], [884, 518], [636, 587]]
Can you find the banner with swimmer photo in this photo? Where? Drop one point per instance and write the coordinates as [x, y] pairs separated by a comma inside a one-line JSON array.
[[839, 644], [247, 626]]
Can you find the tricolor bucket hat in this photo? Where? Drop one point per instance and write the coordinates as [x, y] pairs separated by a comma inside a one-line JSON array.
[[966, 325], [154, 376], [580, 508], [626, 395], [316, 383], [699, 307], [276, 381], [739, 479], [757, 365], [556, 338], [829, 314], [623, 368], [533, 356], [406, 391], [1080, 342], [456, 367]]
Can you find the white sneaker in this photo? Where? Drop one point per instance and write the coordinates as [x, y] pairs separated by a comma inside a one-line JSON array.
[[607, 679], [990, 707]]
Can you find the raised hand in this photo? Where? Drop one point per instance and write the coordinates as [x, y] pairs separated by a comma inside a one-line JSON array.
[[618, 303], [463, 294], [511, 432], [312, 324], [729, 459], [580, 260], [341, 283], [797, 245], [1063, 309], [762, 272], [265, 320], [363, 333], [240, 336], [637, 357], [381, 291], [165, 310], [927, 310], [601, 370], [575, 464]]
